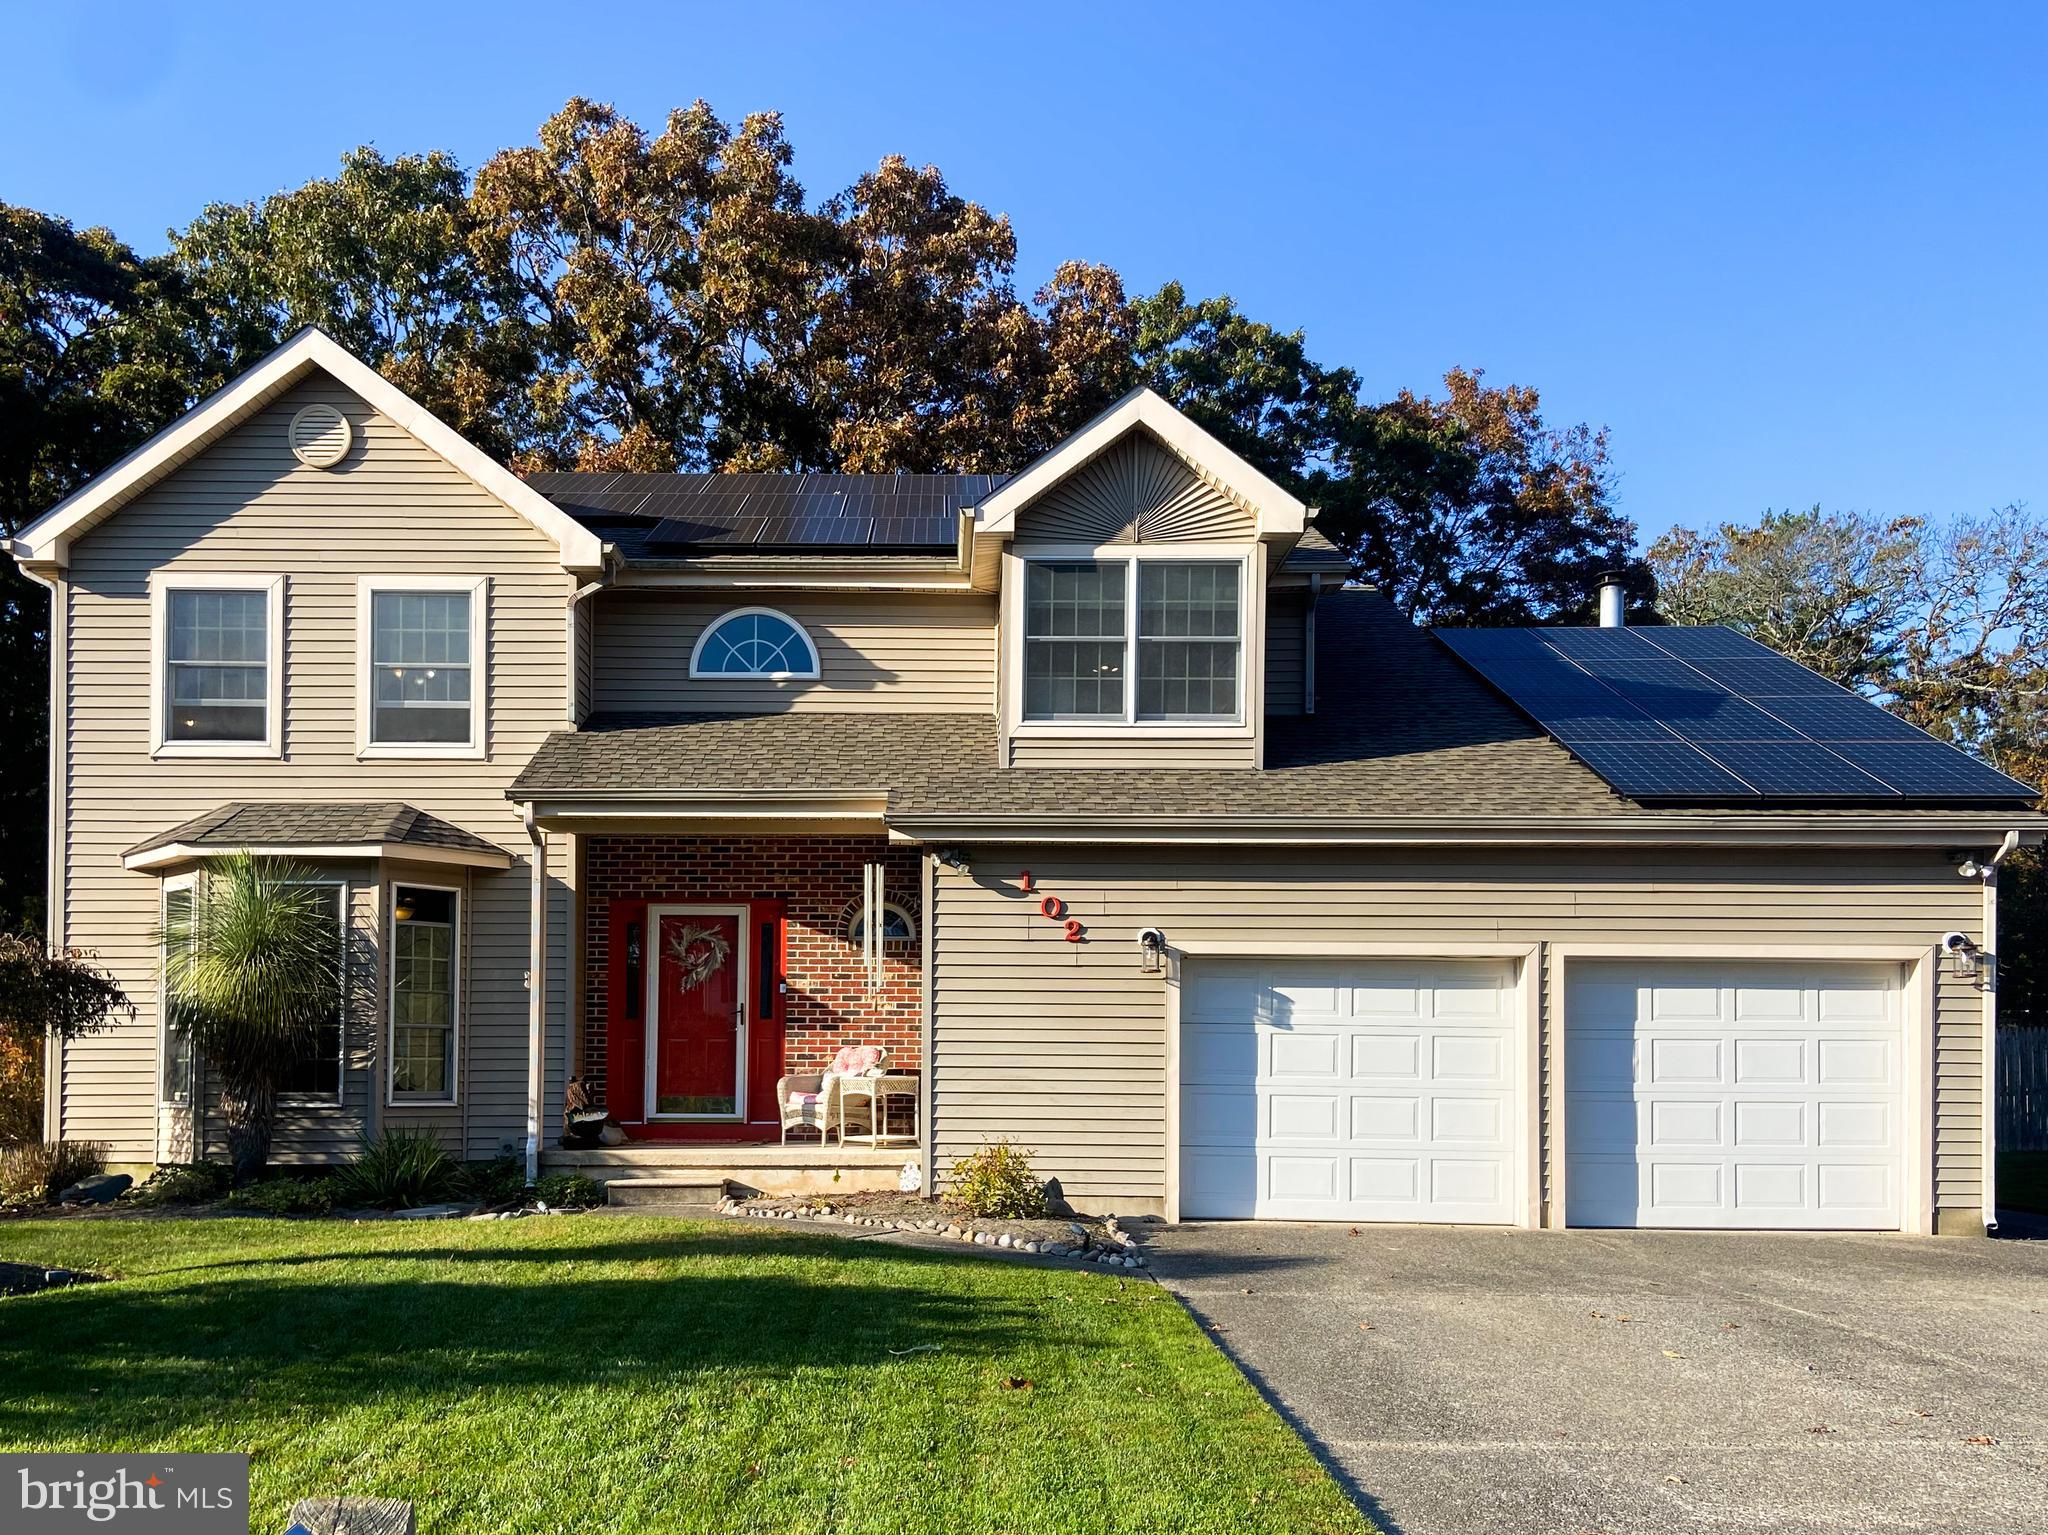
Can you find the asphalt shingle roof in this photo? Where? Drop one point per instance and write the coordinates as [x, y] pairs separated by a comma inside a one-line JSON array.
[[1401, 727], [295, 823]]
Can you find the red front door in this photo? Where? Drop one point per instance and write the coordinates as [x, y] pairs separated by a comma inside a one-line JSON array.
[[696, 1012]]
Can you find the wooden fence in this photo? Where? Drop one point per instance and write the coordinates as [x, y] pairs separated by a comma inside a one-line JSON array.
[[2023, 1089]]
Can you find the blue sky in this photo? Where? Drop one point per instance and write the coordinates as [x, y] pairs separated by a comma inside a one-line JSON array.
[[1788, 254]]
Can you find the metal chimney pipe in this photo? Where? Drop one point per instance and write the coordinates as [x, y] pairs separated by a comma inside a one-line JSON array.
[[1611, 612]]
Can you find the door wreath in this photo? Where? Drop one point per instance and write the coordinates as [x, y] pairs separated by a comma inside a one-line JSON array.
[[698, 953]]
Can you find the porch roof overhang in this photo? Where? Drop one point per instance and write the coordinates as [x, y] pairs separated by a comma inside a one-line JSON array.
[[735, 812]]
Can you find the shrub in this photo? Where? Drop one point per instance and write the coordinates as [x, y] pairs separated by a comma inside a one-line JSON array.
[[286, 1196], [997, 1181], [397, 1169], [182, 1183], [21, 1092], [563, 1191], [496, 1182], [37, 1173]]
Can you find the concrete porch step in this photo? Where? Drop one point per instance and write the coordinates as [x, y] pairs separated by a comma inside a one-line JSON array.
[[663, 1193]]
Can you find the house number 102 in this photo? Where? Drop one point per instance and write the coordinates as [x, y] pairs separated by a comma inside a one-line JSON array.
[[1053, 907]]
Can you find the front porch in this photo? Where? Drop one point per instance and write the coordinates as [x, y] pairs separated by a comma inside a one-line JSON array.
[[756, 1169], [714, 968]]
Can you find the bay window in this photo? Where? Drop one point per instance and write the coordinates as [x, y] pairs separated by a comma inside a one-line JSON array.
[[425, 933]]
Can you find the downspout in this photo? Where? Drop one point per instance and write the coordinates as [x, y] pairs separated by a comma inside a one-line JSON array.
[[1990, 1045], [927, 907], [536, 996]]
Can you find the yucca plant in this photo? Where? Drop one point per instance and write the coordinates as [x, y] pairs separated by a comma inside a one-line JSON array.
[[251, 975], [397, 1169]]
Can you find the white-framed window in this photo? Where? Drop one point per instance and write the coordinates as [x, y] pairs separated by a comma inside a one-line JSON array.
[[175, 1057], [217, 664], [422, 666], [426, 994], [898, 926], [317, 1076], [755, 642], [1114, 638]]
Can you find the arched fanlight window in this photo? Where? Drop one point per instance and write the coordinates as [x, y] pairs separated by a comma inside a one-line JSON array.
[[754, 642], [897, 926]]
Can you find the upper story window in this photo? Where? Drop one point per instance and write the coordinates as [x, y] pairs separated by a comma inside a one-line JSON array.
[[1086, 661], [754, 642], [218, 640], [423, 687]]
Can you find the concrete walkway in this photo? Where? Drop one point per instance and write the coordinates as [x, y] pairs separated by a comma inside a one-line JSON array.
[[1478, 1382]]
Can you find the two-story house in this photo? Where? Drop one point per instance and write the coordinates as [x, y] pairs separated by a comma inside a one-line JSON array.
[[1095, 794]]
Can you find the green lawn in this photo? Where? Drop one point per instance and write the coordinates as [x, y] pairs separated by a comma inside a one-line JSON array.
[[2023, 1180], [596, 1374]]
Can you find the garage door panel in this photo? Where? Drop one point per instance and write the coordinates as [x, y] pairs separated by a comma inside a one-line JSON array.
[[1854, 1062], [1770, 1122], [1772, 1062], [1471, 1120], [1684, 1061], [1386, 1180], [1769, 1096], [1676, 1122], [1386, 1053], [1378, 1117], [1379, 1090], [1210, 1054], [1478, 1058], [1848, 1125], [1302, 1117]]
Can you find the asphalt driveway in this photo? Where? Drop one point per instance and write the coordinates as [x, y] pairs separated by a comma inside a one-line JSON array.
[[1643, 1383]]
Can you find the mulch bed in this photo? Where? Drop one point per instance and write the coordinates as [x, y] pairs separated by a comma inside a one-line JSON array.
[[1094, 1238]]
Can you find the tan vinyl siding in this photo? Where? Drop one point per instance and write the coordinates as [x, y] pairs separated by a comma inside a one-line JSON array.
[[908, 652], [1133, 746], [1135, 491], [1286, 651], [245, 505], [1062, 1047]]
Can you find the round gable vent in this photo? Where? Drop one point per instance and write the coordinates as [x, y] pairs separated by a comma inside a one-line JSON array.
[[319, 436]]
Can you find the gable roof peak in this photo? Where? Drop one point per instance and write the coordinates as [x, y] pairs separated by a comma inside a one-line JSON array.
[[45, 544], [1279, 513]]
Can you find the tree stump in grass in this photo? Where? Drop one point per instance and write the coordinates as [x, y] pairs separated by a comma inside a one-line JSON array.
[[351, 1516]]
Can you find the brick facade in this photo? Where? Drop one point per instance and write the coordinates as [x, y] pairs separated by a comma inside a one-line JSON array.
[[828, 1003]]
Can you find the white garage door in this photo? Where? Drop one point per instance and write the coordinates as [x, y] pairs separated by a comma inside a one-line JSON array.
[[1733, 1096], [1354, 1090]]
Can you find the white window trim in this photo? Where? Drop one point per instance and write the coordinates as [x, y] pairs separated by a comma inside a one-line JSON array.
[[1250, 622], [909, 940], [392, 1097], [478, 590], [812, 674], [343, 933], [189, 881], [161, 584]]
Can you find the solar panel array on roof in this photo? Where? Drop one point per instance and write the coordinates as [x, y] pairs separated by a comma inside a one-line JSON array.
[[1709, 714], [661, 515]]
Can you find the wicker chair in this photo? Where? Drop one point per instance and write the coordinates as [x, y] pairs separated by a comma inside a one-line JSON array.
[[812, 1098]]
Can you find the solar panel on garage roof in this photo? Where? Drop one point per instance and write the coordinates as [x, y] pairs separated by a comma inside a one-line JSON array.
[[1706, 713]]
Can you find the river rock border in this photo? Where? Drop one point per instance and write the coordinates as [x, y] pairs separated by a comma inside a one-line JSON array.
[[1123, 1254]]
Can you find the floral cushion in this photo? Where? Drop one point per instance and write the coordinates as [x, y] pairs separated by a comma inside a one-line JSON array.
[[858, 1060], [806, 1097]]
